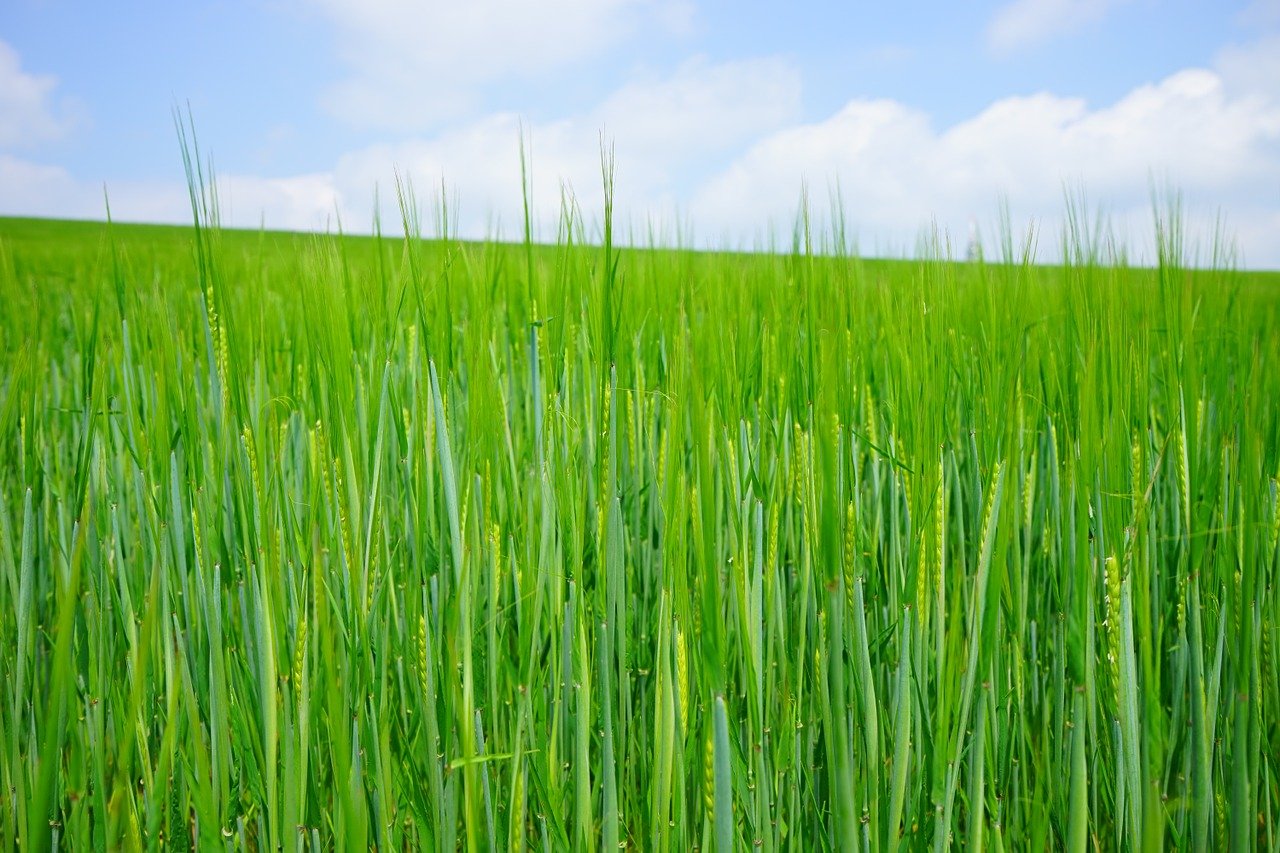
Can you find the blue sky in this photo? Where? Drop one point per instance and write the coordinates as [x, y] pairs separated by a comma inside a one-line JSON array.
[[922, 113]]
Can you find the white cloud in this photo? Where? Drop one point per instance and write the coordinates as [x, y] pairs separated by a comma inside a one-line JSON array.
[[1252, 67], [703, 107], [28, 114], [479, 166], [32, 189], [37, 189], [1203, 131], [414, 63], [665, 132], [1024, 23], [297, 203], [304, 202]]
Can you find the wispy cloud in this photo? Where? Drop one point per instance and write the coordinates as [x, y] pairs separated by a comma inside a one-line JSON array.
[[299, 202], [1260, 13], [889, 54], [666, 131], [1025, 23], [30, 115], [1253, 67], [413, 64]]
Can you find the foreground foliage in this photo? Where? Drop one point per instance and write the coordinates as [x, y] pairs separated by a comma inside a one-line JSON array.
[[316, 542]]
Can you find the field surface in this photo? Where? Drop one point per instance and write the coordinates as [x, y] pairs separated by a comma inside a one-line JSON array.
[[315, 542]]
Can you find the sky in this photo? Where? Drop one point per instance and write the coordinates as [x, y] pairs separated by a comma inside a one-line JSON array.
[[911, 119]]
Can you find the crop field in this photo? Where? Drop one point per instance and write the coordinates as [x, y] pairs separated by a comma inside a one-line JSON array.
[[323, 542]]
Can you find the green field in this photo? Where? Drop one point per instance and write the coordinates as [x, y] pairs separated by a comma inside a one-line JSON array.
[[312, 542]]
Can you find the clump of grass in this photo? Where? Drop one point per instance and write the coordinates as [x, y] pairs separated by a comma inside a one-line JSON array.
[[314, 542]]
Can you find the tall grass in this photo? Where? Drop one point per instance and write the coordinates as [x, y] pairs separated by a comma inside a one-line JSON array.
[[313, 542]]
